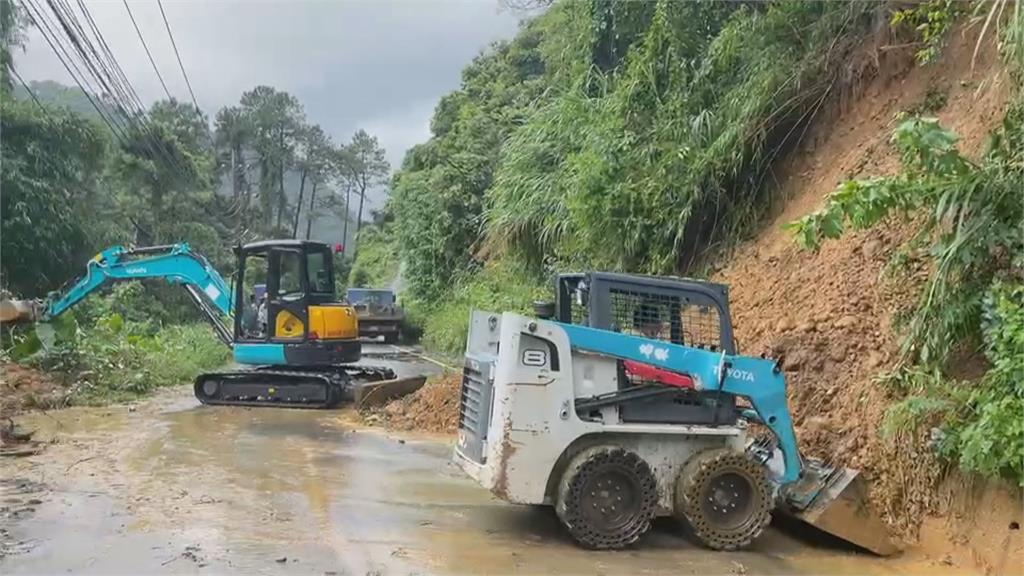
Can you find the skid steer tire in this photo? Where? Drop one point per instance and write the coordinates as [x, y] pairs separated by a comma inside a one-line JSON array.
[[726, 498], [607, 497]]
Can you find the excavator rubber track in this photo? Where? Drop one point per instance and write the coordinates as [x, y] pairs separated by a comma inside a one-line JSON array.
[[276, 386]]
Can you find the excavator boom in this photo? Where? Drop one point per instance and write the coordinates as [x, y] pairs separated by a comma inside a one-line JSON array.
[[176, 263]]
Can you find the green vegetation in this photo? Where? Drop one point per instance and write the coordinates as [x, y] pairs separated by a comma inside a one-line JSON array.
[[632, 136], [974, 230], [377, 265], [502, 286], [638, 137], [107, 358], [78, 178], [930, 20]]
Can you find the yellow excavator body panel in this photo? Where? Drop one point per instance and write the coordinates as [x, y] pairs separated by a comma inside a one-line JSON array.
[[333, 322]]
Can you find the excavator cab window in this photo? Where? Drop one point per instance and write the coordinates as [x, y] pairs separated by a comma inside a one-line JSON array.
[[289, 284], [319, 272]]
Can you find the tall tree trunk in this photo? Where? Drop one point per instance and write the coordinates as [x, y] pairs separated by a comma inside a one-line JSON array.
[[344, 230], [266, 189], [244, 221], [298, 205], [359, 218], [235, 187], [309, 213], [282, 201]]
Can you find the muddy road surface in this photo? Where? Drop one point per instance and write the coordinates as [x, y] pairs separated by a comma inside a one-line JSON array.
[[171, 487]]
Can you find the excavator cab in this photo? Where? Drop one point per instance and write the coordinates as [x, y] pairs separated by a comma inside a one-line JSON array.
[[297, 318]]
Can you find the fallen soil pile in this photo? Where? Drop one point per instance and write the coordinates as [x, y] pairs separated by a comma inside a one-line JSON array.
[[830, 313], [432, 408], [23, 388]]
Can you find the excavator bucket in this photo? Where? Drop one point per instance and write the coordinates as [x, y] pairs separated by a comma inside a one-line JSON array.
[[18, 311], [834, 499]]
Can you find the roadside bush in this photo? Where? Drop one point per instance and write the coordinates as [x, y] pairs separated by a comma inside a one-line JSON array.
[[110, 359], [376, 264], [502, 286]]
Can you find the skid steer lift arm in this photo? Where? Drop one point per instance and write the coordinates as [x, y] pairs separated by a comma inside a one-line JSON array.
[[757, 379], [174, 262]]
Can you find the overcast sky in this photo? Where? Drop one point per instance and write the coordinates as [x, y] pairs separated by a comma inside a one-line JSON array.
[[377, 65]]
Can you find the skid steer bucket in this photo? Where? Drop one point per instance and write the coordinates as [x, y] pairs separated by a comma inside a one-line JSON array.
[[834, 499]]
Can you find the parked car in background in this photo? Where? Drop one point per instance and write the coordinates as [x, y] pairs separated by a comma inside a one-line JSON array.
[[378, 312]]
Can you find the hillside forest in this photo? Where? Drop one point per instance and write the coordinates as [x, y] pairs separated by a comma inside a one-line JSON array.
[[83, 171]]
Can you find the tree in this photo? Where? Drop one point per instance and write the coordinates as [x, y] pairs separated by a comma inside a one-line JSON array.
[[51, 162], [165, 172], [364, 169], [315, 162], [277, 120], [12, 25], [232, 138]]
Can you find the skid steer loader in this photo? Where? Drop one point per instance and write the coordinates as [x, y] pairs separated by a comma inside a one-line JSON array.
[[626, 399]]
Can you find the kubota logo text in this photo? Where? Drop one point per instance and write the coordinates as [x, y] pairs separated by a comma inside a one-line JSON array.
[[736, 373]]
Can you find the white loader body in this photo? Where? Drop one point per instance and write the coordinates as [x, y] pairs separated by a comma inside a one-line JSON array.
[[518, 424]]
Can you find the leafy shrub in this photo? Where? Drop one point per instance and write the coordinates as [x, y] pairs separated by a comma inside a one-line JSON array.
[[376, 264], [988, 433], [930, 20], [113, 359], [503, 286]]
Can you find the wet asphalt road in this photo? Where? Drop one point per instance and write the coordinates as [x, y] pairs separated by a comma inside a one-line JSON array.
[[172, 487]]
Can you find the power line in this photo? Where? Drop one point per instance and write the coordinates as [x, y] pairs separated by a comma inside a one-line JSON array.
[[105, 112], [128, 92], [176, 54], [58, 49], [102, 72], [151, 61], [108, 73]]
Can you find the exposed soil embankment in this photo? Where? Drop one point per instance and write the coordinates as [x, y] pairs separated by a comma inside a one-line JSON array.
[[831, 313]]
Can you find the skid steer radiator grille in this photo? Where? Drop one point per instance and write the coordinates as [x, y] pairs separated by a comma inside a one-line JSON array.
[[475, 408]]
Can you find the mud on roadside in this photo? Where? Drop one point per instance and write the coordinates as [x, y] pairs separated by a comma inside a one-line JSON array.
[[432, 408]]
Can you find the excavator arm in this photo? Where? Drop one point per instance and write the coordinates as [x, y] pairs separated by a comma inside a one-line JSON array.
[[176, 263]]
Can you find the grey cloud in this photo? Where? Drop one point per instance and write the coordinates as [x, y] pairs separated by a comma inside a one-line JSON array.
[[374, 65]]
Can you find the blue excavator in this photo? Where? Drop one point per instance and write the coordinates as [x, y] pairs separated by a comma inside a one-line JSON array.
[[300, 340]]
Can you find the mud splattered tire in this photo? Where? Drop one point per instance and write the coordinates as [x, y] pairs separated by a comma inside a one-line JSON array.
[[726, 498], [607, 497]]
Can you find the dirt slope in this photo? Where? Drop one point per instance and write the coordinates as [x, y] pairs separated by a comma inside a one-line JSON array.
[[830, 312]]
